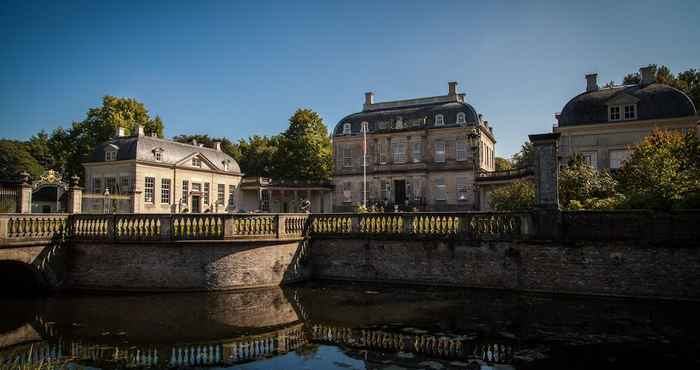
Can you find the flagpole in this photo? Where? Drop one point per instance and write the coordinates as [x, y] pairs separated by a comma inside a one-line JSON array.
[[364, 164]]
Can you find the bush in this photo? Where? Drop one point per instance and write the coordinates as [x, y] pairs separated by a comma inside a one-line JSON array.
[[518, 195]]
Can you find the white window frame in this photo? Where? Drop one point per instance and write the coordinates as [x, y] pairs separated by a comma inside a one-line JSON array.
[[220, 194], [439, 120], [124, 184], [165, 190], [460, 150], [347, 192], [440, 189], [347, 128], [231, 195], [185, 190], [110, 155], [591, 158], [149, 189], [111, 184], [440, 152], [381, 148], [347, 156], [158, 154], [364, 126], [629, 111], [399, 123], [416, 151], [196, 162], [398, 152], [387, 190], [96, 184], [461, 118], [461, 188], [205, 194], [618, 112]]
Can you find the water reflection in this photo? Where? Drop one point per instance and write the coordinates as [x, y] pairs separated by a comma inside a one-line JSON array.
[[345, 326]]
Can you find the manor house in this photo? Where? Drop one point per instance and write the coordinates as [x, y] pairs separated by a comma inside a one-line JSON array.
[[421, 153], [163, 176], [601, 123]]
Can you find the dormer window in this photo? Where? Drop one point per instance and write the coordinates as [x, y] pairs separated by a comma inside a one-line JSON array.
[[365, 126], [226, 165], [630, 111], [347, 129], [111, 155], [399, 123], [461, 118], [614, 113], [158, 154], [196, 162], [439, 120]]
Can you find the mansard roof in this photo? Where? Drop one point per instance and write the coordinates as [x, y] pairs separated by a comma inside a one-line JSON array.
[[414, 113], [142, 148], [654, 101]]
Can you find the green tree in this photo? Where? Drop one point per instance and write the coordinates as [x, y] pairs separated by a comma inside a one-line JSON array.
[[631, 79], [687, 81], [582, 186], [503, 164], [518, 195], [38, 146], [305, 148], [525, 157], [14, 158], [663, 172], [259, 156], [99, 125]]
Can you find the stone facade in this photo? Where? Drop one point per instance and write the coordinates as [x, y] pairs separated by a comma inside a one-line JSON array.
[[421, 153], [162, 176], [601, 123], [265, 195]]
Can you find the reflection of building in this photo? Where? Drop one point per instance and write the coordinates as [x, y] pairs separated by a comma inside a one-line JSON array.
[[601, 123], [267, 195], [421, 153], [163, 176]]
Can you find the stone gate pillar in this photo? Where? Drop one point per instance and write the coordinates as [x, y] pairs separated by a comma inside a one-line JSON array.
[[25, 194], [546, 170], [75, 196]]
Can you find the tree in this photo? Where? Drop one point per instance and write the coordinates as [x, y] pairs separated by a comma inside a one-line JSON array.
[[525, 157], [503, 164], [663, 172], [305, 148], [631, 79], [259, 156], [518, 195], [582, 186], [686, 81], [38, 146], [14, 158], [99, 125], [609, 84]]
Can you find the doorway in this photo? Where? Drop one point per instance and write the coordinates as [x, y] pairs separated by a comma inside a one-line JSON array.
[[196, 207], [400, 192]]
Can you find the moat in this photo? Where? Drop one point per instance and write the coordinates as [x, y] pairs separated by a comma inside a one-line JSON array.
[[325, 325]]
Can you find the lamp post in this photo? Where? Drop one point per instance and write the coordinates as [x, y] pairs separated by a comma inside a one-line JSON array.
[[474, 136]]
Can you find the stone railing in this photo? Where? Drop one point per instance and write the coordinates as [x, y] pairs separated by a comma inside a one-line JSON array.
[[18, 228], [512, 174], [465, 225], [165, 227]]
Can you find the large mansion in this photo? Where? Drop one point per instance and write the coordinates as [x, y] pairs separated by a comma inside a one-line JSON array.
[[421, 153], [163, 176], [601, 123]]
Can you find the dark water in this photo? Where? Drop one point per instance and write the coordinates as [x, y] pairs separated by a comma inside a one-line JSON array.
[[345, 326]]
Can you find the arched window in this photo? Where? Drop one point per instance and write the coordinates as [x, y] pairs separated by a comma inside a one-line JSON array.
[[347, 129], [439, 120], [461, 118]]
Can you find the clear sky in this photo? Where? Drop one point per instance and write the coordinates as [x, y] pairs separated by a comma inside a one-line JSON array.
[[237, 68]]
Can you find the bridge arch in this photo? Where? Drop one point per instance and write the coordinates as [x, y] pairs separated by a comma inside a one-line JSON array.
[[20, 278]]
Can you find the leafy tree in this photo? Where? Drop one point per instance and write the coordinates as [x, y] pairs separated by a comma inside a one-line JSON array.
[[525, 157], [632, 79], [503, 164], [99, 125], [663, 172], [259, 156], [582, 186], [609, 84], [38, 146], [14, 158], [518, 195], [305, 148], [227, 146]]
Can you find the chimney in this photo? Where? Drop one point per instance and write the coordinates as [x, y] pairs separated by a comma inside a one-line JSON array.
[[591, 82], [139, 130], [121, 132], [452, 88], [369, 98], [194, 142], [648, 75], [217, 146]]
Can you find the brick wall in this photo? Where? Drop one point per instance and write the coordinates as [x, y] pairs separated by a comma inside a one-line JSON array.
[[184, 265], [601, 268]]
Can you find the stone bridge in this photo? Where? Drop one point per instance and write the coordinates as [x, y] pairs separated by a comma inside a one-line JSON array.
[[619, 253]]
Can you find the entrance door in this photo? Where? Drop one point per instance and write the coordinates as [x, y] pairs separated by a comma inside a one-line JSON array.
[[400, 192], [196, 208]]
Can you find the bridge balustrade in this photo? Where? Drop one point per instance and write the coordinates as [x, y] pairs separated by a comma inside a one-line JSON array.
[[18, 228]]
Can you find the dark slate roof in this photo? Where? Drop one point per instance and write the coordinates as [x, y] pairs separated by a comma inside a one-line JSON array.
[[412, 116], [655, 101], [142, 148]]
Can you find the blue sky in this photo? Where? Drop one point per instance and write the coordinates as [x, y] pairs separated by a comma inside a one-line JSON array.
[[237, 68]]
